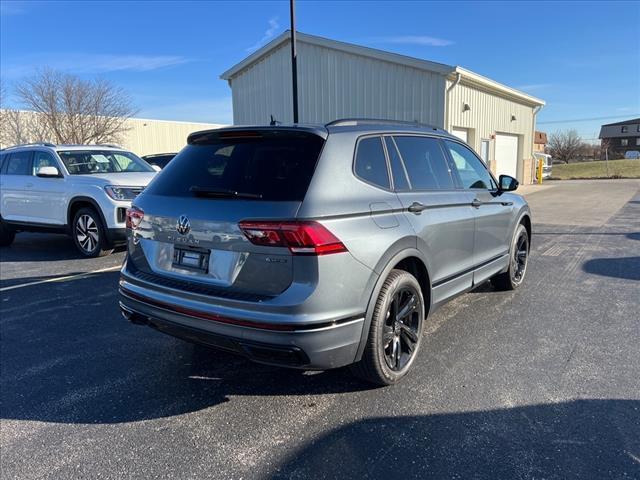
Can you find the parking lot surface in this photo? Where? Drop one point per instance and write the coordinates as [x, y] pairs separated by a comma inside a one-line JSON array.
[[539, 383]]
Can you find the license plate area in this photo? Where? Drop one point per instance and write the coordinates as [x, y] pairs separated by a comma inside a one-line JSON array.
[[190, 258]]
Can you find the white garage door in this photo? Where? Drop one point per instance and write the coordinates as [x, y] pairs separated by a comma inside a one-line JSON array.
[[461, 133], [506, 154]]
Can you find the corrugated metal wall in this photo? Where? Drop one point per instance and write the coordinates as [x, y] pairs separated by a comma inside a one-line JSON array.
[[143, 137], [335, 84], [490, 114]]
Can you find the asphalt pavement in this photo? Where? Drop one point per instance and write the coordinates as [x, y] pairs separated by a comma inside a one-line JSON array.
[[539, 383]]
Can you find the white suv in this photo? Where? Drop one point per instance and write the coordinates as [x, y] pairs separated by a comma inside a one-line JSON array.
[[81, 190]]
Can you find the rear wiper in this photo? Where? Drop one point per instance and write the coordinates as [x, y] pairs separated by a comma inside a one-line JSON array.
[[220, 192]]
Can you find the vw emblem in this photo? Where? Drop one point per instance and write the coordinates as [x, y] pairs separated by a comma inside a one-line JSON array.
[[184, 225]]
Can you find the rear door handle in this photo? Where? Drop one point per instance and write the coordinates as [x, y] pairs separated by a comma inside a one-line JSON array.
[[476, 203], [417, 207]]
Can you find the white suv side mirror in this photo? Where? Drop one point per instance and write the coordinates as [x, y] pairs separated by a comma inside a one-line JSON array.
[[48, 172]]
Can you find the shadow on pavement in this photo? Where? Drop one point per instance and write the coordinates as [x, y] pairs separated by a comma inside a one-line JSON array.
[[577, 439], [627, 268], [38, 247], [70, 357]]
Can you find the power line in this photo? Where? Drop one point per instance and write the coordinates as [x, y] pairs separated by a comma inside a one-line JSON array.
[[588, 119]]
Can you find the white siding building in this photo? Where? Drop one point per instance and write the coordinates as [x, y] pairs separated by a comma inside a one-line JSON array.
[[340, 80], [141, 136]]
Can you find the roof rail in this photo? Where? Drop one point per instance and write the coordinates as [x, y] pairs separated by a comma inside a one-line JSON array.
[[112, 145], [40, 144], [344, 122]]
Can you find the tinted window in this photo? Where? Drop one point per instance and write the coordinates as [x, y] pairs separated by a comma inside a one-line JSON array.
[[371, 164], [470, 169], [19, 163], [400, 182], [425, 162], [42, 159], [80, 162], [277, 168], [159, 160]]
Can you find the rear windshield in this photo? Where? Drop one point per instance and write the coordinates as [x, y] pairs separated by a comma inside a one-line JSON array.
[[267, 168]]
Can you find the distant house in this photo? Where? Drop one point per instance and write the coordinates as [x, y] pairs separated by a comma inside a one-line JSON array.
[[539, 142], [621, 137]]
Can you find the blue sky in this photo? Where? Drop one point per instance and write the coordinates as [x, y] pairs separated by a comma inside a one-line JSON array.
[[582, 58]]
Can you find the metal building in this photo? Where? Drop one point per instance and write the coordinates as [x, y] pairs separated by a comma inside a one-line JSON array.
[[341, 80], [141, 136]]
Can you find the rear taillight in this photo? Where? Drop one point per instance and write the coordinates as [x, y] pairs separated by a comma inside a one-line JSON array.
[[302, 238], [134, 217]]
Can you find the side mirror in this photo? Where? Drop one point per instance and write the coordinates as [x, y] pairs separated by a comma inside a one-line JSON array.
[[156, 168], [48, 172], [507, 183]]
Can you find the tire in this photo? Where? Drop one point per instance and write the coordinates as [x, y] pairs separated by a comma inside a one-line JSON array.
[[393, 343], [518, 261], [89, 234], [7, 235]]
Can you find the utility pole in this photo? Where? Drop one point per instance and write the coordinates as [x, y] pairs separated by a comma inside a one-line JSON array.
[[294, 60]]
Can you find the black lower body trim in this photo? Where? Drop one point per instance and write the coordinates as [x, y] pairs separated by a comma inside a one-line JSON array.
[[117, 236], [288, 356], [468, 270]]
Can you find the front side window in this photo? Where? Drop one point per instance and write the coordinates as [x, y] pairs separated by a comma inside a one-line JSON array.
[[371, 164], [470, 169], [42, 159], [425, 163], [79, 162], [19, 163]]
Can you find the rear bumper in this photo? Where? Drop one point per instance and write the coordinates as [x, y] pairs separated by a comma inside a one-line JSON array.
[[295, 344]]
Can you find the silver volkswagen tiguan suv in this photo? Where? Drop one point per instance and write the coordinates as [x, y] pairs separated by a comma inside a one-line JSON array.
[[317, 247]]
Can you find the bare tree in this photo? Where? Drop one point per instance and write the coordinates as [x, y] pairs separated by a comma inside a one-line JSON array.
[[565, 145], [73, 110]]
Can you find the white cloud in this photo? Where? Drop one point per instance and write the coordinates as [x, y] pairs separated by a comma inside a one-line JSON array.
[[11, 8], [532, 87], [421, 40], [83, 63], [269, 33]]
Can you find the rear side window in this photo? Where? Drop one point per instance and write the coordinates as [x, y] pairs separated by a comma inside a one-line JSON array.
[[425, 163], [18, 163], [371, 164], [274, 167]]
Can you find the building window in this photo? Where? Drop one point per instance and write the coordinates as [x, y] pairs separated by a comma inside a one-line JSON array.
[[638, 141], [624, 142], [638, 128], [625, 129]]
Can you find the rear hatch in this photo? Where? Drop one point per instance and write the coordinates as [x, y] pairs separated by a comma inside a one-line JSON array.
[[188, 228]]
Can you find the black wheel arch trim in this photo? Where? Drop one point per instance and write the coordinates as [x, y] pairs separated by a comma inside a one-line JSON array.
[[391, 259], [95, 206]]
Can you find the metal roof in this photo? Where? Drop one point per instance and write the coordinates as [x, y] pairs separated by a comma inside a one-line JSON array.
[[449, 71]]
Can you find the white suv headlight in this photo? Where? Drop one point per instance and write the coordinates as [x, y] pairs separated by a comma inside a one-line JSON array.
[[122, 193]]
